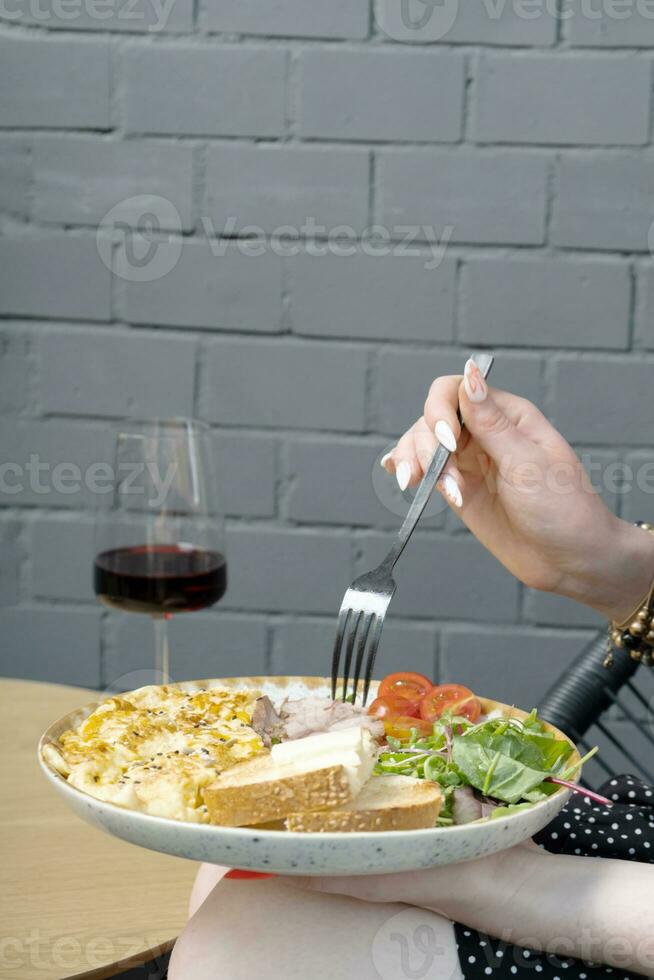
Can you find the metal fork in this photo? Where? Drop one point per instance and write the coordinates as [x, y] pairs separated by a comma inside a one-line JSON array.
[[365, 602]]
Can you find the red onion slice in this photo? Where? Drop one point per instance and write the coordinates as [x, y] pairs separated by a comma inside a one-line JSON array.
[[576, 788]]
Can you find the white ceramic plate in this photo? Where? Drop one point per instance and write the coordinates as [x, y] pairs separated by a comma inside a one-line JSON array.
[[296, 853]]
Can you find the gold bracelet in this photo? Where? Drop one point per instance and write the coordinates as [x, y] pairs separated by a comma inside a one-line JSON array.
[[636, 633]]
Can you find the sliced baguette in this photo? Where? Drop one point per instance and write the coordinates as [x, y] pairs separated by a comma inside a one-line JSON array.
[[316, 773], [384, 803], [270, 825]]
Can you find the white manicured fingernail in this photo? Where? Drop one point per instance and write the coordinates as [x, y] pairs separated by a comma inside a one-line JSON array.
[[475, 386], [403, 475], [451, 490], [385, 459], [445, 436]]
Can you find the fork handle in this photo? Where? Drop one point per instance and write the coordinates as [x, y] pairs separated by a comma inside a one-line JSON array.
[[438, 462]]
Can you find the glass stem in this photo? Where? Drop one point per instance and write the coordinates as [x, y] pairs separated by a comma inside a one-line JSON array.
[[161, 654]]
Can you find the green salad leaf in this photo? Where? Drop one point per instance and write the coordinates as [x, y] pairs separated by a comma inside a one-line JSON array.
[[505, 759], [506, 811], [493, 772]]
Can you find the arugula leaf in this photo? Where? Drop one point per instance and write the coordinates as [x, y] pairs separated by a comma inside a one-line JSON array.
[[532, 749], [576, 766], [505, 758], [542, 791], [446, 815], [533, 723], [494, 773]]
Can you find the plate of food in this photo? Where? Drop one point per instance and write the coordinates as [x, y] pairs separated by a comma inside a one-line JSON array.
[[270, 774]]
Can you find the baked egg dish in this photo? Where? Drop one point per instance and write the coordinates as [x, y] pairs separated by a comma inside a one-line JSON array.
[[155, 749]]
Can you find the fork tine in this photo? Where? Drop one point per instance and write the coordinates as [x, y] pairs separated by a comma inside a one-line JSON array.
[[372, 654], [343, 617], [349, 651], [363, 639]]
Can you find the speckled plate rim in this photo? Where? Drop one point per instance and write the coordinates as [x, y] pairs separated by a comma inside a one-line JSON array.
[[280, 686]]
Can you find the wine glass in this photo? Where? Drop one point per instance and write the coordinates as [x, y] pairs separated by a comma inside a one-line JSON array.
[[159, 540]]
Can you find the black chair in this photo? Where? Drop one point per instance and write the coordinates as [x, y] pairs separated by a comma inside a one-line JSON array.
[[587, 699], [156, 969]]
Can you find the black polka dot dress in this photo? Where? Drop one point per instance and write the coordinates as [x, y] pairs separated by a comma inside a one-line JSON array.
[[625, 831]]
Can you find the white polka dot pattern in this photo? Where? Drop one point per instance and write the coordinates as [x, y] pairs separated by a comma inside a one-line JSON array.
[[630, 826]]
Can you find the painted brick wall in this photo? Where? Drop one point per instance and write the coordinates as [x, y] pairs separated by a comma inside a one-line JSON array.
[[341, 212]]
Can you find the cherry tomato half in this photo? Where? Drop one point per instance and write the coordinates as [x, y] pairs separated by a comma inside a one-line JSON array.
[[449, 697], [401, 727], [406, 684], [470, 709], [393, 705]]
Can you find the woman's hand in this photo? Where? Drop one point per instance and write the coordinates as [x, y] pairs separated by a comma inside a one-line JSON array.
[[597, 910], [525, 495], [462, 892]]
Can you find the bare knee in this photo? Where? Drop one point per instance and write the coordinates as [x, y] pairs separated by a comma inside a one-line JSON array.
[[206, 880], [245, 929]]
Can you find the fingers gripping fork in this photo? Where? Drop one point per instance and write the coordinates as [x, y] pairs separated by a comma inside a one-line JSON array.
[[363, 610]]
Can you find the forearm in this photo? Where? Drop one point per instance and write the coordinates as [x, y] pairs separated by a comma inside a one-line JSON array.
[[596, 910], [615, 572]]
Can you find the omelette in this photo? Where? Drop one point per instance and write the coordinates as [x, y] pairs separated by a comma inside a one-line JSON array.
[[155, 749]]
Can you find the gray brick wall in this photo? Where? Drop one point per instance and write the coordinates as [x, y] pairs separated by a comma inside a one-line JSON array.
[[323, 208], [340, 95], [485, 197], [563, 99], [204, 90], [76, 181], [54, 83]]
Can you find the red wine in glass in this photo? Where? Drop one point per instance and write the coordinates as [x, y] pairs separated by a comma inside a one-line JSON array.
[[159, 539], [160, 579]]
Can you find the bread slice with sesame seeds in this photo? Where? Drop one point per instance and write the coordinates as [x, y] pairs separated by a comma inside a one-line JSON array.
[[384, 803], [320, 772]]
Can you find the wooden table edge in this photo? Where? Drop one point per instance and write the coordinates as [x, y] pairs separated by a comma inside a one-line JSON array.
[[121, 966], [86, 696]]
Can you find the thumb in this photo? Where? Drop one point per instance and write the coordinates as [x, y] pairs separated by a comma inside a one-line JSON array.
[[485, 420]]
